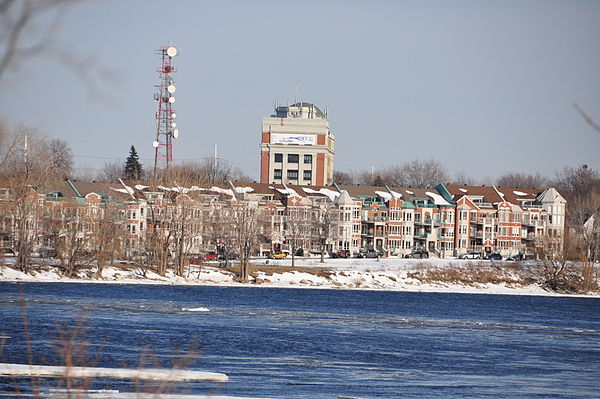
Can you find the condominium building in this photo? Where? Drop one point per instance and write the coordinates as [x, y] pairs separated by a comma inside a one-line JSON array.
[[448, 220], [297, 146]]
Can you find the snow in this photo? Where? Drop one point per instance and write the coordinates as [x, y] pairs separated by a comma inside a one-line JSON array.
[[396, 195], [464, 190], [500, 193], [244, 190], [140, 187], [386, 196], [220, 190], [332, 195], [437, 199], [288, 191], [410, 192], [196, 309], [120, 190], [390, 274], [520, 193]]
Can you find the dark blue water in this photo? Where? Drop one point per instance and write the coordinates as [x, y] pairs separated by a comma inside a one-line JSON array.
[[300, 343]]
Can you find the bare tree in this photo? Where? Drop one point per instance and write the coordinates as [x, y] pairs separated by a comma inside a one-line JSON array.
[[424, 174], [343, 178], [207, 171], [109, 229], [24, 167], [521, 180], [245, 225], [324, 216], [217, 229], [72, 237], [297, 225], [587, 118], [61, 158], [462, 178], [111, 172], [29, 30]]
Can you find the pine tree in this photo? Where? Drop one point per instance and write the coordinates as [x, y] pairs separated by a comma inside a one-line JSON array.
[[133, 167]]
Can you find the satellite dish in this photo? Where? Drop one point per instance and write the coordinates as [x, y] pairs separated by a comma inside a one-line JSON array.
[[175, 133], [173, 115], [171, 99], [171, 89], [155, 144], [173, 124], [171, 51]]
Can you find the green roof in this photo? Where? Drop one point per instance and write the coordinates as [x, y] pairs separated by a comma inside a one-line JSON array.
[[408, 205]]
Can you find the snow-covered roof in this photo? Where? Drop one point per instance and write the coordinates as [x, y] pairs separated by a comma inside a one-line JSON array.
[[464, 190], [437, 199], [288, 191], [332, 195], [385, 195], [520, 193]]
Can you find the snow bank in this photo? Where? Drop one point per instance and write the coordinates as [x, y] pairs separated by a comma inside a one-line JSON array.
[[391, 274]]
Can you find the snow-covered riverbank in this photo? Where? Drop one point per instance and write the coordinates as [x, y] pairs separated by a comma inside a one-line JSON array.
[[393, 274]]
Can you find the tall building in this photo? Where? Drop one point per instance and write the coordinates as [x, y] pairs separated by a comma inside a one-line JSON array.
[[297, 146]]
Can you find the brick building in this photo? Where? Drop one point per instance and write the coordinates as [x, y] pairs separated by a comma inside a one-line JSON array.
[[297, 146]]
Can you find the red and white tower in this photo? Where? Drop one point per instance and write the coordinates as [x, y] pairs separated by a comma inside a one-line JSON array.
[[166, 128]]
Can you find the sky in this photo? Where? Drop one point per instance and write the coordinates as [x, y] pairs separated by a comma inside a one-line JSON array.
[[482, 87]]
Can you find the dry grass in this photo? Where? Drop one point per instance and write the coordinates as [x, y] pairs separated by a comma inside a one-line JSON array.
[[510, 274], [269, 270]]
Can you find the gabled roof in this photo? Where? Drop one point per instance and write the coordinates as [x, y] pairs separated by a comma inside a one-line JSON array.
[[551, 195], [487, 193]]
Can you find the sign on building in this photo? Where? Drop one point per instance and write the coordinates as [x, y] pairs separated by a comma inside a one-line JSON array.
[[301, 139]]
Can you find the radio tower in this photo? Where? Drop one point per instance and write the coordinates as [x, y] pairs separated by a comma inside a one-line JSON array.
[[166, 128]]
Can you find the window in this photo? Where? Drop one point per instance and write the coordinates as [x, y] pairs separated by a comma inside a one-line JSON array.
[[278, 157], [307, 158], [292, 174], [293, 158], [308, 175], [277, 174]]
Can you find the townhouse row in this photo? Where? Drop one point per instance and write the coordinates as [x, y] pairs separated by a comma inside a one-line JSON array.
[[447, 221]]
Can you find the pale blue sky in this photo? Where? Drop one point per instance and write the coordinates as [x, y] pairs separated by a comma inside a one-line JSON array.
[[484, 87]]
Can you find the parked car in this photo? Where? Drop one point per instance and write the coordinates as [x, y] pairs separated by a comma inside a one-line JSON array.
[[7, 252], [420, 254], [340, 254], [210, 256], [278, 255], [495, 256], [370, 253], [230, 256], [517, 257], [470, 255]]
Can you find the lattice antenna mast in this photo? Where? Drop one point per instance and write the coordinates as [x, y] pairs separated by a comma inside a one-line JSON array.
[[166, 128]]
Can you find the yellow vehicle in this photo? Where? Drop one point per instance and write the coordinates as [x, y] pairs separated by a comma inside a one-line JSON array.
[[278, 255]]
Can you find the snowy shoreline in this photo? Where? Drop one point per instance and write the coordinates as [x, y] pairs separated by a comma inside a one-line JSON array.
[[338, 274]]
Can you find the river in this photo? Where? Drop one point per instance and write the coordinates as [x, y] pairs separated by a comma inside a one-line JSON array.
[[305, 343]]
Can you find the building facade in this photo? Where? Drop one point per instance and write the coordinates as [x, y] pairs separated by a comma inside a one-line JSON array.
[[297, 146], [140, 221]]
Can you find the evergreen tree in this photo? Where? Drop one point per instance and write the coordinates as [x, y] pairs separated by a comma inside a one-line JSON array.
[[133, 167]]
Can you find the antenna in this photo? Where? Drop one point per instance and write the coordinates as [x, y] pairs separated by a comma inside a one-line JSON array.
[[25, 150], [166, 128], [296, 98], [215, 160]]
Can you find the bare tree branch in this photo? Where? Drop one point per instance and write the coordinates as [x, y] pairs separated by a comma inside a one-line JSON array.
[[586, 117]]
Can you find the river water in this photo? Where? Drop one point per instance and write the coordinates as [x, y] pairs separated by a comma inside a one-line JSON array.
[[304, 343]]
